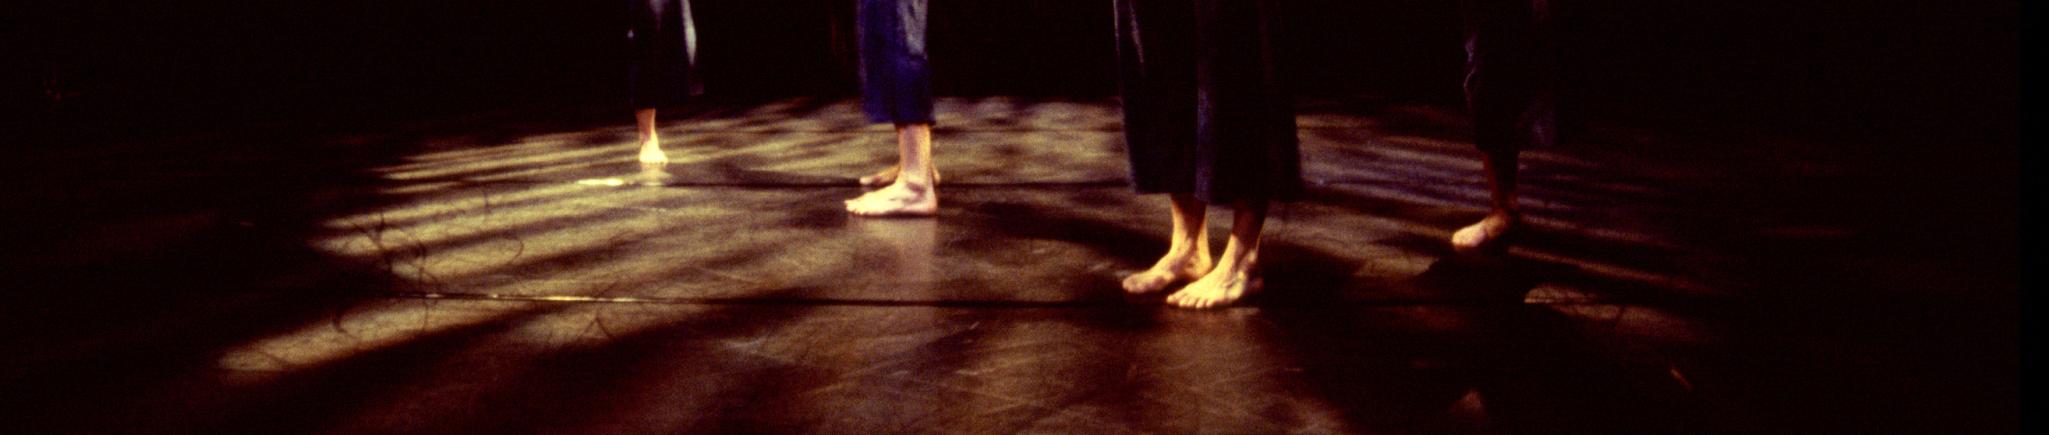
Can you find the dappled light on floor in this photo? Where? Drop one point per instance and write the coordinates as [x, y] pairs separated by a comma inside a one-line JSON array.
[[519, 272]]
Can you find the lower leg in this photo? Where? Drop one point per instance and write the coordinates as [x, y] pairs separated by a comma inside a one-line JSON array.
[[914, 154], [1502, 215], [650, 142], [1236, 271], [1187, 255], [921, 136]]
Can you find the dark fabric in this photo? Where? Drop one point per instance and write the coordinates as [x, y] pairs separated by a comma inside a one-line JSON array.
[[896, 82], [661, 69], [1511, 74], [1205, 112]]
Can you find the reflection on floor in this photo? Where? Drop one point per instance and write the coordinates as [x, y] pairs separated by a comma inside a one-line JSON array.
[[515, 271]]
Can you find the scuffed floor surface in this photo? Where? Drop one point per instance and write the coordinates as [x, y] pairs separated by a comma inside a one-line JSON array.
[[514, 271]]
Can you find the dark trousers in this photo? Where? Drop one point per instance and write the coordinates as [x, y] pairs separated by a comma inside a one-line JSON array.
[[1205, 112], [661, 66], [1511, 74], [896, 82]]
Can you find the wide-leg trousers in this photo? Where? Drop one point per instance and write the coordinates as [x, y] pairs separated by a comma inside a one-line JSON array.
[[1205, 112], [661, 65], [1511, 74]]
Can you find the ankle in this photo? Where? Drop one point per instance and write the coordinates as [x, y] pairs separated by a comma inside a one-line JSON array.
[[921, 178], [1188, 248], [913, 185], [1238, 264], [1182, 260]]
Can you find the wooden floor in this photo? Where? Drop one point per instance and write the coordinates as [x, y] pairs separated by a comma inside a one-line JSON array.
[[514, 271]]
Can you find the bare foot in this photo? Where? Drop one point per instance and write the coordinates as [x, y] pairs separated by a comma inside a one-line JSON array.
[[1488, 232], [1218, 288], [1173, 268], [888, 175], [653, 175], [651, 154], [899, 199]]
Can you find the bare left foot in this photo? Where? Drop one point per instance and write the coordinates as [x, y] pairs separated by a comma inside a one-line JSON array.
[[651, 155], [1217, 289], [1491, 231], [900, 199]]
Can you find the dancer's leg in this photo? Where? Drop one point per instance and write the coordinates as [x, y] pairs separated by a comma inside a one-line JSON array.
[[650, 142], [1502, 216]]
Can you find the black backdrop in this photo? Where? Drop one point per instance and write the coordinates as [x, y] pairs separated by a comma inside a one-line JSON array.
[[1838, 67]]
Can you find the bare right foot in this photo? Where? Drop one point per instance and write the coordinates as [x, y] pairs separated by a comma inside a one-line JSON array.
[[1172, 269], [887, 176], [1489, 232], [651, 155], [1235, 276], [1219, 288]]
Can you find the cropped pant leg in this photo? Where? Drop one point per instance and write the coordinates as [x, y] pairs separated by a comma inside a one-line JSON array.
[[896, 81]]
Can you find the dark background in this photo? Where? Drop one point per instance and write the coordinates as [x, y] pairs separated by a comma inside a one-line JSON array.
[[1929, 87], [1847, 70]]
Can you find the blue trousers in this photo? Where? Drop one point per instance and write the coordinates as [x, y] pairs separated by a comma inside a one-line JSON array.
[[1205, 112], [896, 82]]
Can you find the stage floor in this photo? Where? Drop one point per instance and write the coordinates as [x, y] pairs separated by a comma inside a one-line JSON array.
[[516, 271]]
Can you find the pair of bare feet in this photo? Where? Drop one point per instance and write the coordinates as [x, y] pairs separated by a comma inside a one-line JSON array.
[[1209, 284], [899, 196]]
